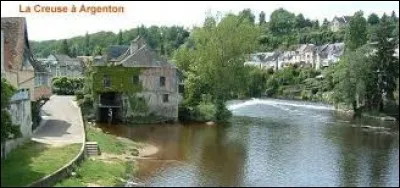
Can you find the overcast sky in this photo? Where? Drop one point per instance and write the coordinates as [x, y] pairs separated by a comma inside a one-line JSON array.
[[46, 26]]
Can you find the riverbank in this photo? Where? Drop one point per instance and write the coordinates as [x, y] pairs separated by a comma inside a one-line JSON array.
[[33, 160], [114, 166]]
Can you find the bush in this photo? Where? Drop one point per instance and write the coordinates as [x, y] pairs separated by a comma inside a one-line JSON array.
[[205, 112], [67, 86], [79, 95]]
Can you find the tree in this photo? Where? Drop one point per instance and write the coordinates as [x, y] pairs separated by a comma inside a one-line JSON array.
[[120, 39], [394, 18], [282, 22], [209, 22], [262, 18], [64, 48], [373, 19], [8, 129], [356, 33], [300, 21], [325, 24], [87, 45], [247, 14], [315, 24], [216, 61], [387, 65], [353, 74]]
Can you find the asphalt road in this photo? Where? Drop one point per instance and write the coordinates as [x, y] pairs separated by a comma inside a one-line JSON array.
[[62, 123]]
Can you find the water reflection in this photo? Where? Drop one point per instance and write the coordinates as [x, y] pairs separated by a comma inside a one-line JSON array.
[[269, 145]]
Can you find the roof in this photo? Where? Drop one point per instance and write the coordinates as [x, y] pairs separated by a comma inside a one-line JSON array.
[[145, 57], [306, 48], [138, 54], [64, 59], [114, 51], [15, 42]]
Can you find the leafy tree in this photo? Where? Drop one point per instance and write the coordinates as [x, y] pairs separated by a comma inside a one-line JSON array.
[[387, 64], [282, 21], [247, 14], [356, 33], [353, 74], [373, 19], [64, 49], [325, 24], [87, 45], [261, 18], [120, 38], [216, 61], [8, 129], [300, 21]]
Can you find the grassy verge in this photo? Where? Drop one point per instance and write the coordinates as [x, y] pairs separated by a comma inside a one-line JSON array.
[[33, 161], [107, 169]]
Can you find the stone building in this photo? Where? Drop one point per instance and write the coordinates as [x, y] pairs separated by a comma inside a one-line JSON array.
[[24, 72], [134, 81]]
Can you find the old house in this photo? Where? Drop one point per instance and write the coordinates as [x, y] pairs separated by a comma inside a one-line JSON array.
[[61, 65], [305, 55], [264, 60], [339, 23], [328, 54], [20, 69], [134, 82]]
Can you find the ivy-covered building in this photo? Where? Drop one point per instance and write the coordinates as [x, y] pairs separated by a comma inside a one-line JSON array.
[[132, 82]]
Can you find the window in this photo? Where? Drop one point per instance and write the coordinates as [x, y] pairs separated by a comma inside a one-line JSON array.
[[135, 80], [162, 81], [165, 98], [107, 81]]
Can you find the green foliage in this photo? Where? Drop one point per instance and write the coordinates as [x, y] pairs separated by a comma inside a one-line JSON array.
[[356, 33], [261, 18], [257, 79], [282, 21], [353, 74], [215, 64], [138, 105], [64, 48], [373, 19], [247, 14], [384, 61], [8, 129], [66, 85], [89, 44], [120, 77]]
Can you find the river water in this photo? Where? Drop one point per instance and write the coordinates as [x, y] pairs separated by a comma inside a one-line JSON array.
[[270, 143]]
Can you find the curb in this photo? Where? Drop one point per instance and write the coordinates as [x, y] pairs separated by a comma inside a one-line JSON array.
[[63, 172]]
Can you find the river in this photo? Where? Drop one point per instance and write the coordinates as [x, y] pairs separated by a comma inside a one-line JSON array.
[[270, 143]]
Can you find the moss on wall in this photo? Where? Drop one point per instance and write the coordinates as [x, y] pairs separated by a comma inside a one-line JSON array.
[[121, 80]]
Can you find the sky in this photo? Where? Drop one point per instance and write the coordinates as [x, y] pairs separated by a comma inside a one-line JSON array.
[[47, 26]]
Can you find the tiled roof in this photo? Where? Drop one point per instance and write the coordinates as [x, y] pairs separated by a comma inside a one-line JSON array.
[[145, 57]]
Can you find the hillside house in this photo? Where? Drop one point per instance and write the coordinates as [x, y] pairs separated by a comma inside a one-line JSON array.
[[61, 65], [338, 23], [133, 81], [328, 54]]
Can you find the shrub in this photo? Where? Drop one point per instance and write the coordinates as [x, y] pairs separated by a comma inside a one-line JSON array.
[[67, 86]]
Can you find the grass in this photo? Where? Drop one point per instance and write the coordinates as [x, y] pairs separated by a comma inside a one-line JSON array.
[[108, 143], [97, 172], [103, 172], [32, 161]]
